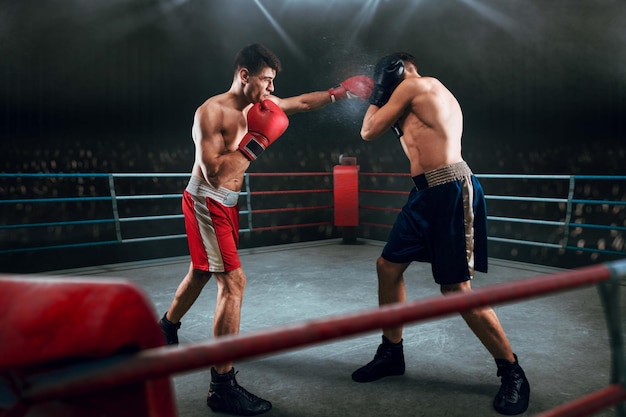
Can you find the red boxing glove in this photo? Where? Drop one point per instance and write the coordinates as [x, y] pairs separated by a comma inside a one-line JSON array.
[[266, 122], [359, 86]]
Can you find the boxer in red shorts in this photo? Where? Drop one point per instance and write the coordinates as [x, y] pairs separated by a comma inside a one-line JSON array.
[[231, 130], [443, 222]]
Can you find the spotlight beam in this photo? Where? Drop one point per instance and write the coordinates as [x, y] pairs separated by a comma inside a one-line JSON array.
[[284, 36], [365, 16], [494, 16]]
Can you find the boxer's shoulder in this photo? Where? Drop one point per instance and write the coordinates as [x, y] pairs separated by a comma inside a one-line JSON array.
[[421, 84], [425, 89]]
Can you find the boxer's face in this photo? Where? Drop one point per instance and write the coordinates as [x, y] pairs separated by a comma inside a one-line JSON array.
[[260, 86]]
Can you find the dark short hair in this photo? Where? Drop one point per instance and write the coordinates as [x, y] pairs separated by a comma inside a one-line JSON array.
[[255, 57], [406, 57]]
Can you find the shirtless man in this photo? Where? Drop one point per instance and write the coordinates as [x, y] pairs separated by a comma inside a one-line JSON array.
[[443, 222], [231, 130]]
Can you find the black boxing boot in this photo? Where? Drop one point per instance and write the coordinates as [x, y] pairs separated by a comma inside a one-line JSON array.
[[388, 361], [227, 396], [514, 393], [169, 330]]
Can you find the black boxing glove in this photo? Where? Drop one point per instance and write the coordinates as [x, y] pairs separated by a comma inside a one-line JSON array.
[[387, 75]]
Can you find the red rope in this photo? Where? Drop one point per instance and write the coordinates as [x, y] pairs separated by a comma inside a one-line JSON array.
[[291, 209], [385, 226], [382, 174], [384, 192], [163, 361], [289, 174], [589, 404], [290, 226], [289, 192], [380, 208]]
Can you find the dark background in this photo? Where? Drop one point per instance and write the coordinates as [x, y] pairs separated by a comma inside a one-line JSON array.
[[111, 86], [531, 75]]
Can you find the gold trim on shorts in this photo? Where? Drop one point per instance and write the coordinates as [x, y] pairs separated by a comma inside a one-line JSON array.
[[442, 175]]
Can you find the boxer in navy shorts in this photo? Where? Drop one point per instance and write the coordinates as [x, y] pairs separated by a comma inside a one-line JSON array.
[[446, 225], [443, 222]]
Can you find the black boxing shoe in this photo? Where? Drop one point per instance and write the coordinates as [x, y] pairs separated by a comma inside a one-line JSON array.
[[227, 396], [514, 393], [169, 330], [388, 361]]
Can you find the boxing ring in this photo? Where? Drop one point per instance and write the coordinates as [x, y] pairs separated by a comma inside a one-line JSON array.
[[33, 380], [357, 199], [563, 197], [118, 193]]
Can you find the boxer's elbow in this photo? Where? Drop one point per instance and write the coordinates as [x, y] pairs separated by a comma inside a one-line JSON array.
[[370, 128], [366, 133]]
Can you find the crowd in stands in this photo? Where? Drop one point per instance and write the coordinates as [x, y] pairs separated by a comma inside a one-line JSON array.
[[123, 154], [127, 154], [104, 155]]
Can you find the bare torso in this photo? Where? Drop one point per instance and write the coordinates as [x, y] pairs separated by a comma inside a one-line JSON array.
[[432, 127], [430, 118], [219, 124]]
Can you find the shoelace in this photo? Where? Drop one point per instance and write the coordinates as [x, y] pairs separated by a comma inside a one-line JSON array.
[[382, 353], [511, 384], [249, 396]]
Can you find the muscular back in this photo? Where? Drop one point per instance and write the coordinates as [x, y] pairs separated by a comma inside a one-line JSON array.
[[432, 125]]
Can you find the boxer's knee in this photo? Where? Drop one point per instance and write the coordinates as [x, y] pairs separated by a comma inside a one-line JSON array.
[[200, 277], [231, 282], [381, 266], [453, 288], [389, 272], [472, 315]]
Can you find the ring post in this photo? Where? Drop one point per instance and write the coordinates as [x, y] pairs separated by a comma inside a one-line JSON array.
[[59, 326], [346, 197], [610, 295]]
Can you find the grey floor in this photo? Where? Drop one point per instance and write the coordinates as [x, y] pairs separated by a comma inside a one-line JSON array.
[[561, 339]]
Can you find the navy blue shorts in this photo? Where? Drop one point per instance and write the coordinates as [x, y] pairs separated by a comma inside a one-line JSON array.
[[445, 225]]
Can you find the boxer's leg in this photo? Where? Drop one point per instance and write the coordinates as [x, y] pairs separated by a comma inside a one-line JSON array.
[[186, 294], [230, 289], [485, 325], [391, 290], [389, 358], [514, 393], [225, 394]]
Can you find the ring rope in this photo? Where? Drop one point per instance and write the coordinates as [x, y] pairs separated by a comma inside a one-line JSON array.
[[158, 362]]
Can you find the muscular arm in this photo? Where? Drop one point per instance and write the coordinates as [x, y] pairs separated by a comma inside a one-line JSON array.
[[302, 103], [216, 155], [358, 86], [378, 120], [430, 117]]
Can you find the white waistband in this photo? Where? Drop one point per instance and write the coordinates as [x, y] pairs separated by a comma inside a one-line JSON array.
[[222, 195]]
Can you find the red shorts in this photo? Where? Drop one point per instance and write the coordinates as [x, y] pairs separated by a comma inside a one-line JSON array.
[[212, 224]]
